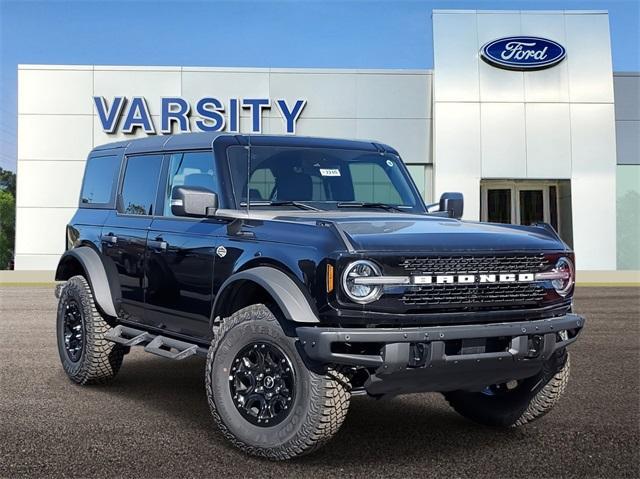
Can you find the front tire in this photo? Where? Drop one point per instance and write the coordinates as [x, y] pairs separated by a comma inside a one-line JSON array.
[[267, 410], [86, 356], [512, 405]]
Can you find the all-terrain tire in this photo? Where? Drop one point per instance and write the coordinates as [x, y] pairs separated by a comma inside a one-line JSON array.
[[99, 360], [319, 406], [530, 400]]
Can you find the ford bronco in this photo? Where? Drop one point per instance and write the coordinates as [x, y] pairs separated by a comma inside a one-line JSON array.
[[307, 271]]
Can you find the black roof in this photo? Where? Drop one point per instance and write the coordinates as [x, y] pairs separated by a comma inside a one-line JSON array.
[[196, 141]]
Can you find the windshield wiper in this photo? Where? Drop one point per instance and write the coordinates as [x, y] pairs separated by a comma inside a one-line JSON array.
[[367, 204], [297, 204]]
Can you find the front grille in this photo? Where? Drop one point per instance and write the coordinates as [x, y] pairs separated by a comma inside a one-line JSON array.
[[475, 295], [461, 264]]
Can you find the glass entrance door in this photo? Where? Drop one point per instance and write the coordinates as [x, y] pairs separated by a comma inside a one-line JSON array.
[[531, 206], [523, 203]]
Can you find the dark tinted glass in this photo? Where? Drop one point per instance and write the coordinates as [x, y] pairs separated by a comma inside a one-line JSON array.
[[140, 184], [553, 207], [531, 207], [99, 176], [321, 176], [190, 169], [499, 206]]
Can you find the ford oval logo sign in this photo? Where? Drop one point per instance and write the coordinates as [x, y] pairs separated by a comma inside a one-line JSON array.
[[523, 53]]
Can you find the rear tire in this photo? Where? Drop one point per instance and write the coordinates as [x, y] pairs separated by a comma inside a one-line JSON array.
[[318, 402], [531, 399], [86, 356]]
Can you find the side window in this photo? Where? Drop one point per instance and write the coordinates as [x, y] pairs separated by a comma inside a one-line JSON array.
[[190, 169], [100, 173], [371, 183], [140, 184]]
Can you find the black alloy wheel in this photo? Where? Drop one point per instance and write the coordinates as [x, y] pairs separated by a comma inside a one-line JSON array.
[[73, 331], [262, 384]]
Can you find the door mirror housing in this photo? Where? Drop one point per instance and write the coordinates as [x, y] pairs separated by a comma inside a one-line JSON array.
[[193, 201], [452, 204]]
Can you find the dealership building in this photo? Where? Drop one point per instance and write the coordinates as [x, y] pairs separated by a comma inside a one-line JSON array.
[[557, 141]]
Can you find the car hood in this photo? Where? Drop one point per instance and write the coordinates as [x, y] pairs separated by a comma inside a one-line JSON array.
[[418, 233]]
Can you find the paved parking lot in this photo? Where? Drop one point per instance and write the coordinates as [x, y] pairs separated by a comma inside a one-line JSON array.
[[153, 421]]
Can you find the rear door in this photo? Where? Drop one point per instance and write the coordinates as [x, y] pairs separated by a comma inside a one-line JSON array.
[[124, 234], [181, 251]]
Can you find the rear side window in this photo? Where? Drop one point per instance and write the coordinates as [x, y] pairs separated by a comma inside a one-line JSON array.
[[99, 177], [140, 184]]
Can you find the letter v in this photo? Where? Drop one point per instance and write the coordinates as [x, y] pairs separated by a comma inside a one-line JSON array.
[[109, 118]]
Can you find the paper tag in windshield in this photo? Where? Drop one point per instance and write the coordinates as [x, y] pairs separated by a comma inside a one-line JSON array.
[[329, 171]]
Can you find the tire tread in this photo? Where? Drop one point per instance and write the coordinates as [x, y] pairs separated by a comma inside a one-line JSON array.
[[329, 399], [101, 359]]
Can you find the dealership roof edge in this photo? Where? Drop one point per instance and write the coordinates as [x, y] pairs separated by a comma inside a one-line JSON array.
[[538, 12], [371, 71]]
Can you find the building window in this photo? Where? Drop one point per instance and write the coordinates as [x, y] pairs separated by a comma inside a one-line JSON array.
[[140, 185]]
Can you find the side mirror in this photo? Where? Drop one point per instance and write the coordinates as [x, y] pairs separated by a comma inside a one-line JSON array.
[[453, 204], [193, 201]]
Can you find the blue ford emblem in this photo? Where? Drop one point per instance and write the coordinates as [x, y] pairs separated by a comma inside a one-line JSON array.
[[522, 53]]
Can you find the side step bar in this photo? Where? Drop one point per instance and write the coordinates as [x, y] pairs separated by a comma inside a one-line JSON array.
[[160, 345]]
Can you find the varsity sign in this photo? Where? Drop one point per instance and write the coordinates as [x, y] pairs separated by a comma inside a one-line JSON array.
[[209, 114]]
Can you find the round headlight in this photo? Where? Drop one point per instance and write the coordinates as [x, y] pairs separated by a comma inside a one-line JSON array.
[[563, 284], [356, 291]]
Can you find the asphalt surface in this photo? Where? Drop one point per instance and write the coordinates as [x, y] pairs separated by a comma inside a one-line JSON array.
[[153, 420]]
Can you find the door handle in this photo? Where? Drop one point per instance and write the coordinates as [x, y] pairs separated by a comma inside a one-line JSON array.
[[110, 238], [158, 243]]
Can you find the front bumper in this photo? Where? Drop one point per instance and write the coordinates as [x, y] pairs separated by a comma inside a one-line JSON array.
[[416, 359]]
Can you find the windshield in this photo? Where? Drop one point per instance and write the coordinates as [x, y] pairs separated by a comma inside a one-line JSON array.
[[321, 178]]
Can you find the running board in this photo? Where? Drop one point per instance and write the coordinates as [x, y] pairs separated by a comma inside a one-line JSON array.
[[160, 345]]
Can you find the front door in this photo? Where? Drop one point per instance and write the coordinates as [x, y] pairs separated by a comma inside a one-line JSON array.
[[181, 252], [124, 234]]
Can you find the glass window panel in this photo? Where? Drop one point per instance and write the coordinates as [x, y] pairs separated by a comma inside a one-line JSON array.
[[140, 184], [99, 176], [261, 184], [320, 175], [418, 173], [553, 207], [190, 169], [371, 183], [499, 206], [531, 207]]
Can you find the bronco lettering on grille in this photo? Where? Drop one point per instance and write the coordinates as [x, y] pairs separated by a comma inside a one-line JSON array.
[[474, 278]]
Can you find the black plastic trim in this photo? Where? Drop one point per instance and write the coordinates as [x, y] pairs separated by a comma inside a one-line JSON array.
[[317, 342], [95, 274], [288, 296]]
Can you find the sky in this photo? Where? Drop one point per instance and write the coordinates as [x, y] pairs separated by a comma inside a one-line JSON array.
[[328, 34]]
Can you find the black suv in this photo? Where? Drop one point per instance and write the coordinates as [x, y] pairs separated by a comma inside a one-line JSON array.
[[307, 271]]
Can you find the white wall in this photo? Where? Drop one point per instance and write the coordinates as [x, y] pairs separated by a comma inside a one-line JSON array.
[[57, 124], [556, 123]]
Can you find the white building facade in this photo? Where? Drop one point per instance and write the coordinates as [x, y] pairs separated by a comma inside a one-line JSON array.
[[522, 146]]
